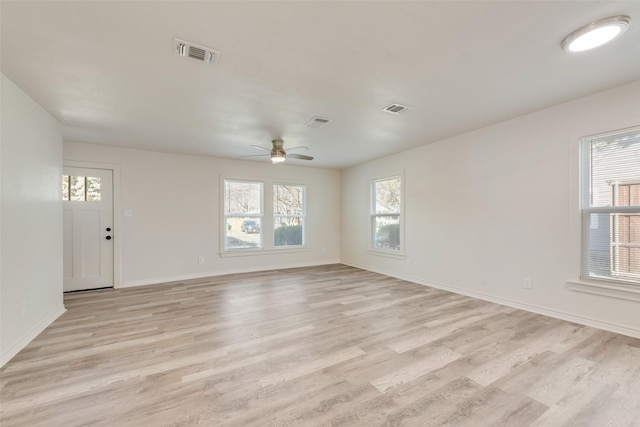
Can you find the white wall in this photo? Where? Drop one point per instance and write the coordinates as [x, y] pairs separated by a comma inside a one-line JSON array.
[[31, 220], [175, 201], [487, 208]]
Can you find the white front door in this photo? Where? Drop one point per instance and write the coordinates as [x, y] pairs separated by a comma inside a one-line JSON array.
[[88, 228]]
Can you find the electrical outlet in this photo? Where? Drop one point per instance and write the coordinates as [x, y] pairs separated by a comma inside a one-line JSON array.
[[200, 260], [527, 283]]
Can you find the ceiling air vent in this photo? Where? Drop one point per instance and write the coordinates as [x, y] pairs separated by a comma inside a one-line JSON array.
[[195, 52], [317, 122], [395, 109]]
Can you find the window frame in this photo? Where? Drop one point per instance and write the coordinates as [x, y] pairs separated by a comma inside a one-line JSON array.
[[585, 178], [302, 217], [267, 219], [374, 215]]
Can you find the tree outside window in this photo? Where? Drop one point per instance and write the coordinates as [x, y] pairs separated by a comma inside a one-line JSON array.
[[243, 214], [80, 188], [288, 215]]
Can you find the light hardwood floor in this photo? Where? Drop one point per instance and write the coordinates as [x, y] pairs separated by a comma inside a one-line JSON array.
[[330, 345]]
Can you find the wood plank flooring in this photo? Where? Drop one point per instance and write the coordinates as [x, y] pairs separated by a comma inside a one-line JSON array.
[[321, 346]]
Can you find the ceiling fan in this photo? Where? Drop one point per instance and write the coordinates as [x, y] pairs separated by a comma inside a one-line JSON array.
[[278, 153]]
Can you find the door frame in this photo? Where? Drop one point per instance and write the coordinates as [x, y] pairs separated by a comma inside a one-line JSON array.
[[117, 223]]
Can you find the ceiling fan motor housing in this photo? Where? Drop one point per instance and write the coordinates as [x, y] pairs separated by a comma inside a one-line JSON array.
[[278, 146], [278, 154]]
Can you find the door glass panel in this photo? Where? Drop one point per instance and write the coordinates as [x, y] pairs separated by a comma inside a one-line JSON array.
[[65, 187], [81, 188], [93, 189], [77, 189]]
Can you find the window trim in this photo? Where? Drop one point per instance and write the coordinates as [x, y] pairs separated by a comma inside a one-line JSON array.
[[606, 286], [400, 253]]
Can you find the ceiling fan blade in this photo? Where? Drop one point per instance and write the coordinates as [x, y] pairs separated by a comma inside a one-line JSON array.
[[299, 156], [262, 148], [299, 146], [256, 155]]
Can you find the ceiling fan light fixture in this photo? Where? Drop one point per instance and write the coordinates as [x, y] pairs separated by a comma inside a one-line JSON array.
[[278, 157], [596, 33]]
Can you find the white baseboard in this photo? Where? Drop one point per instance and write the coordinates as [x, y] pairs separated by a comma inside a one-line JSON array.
[[595, 323], [165, 279], [29, 336]]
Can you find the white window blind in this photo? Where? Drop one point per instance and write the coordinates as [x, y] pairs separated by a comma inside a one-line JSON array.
[[610, 199]]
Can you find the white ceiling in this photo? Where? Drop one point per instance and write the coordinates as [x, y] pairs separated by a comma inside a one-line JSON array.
[[108, 72]]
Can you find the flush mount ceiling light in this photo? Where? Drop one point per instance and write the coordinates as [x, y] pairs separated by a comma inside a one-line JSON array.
[[596, 33]]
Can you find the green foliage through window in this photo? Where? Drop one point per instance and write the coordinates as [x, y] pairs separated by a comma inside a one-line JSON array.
[[388, 237], [288, 214], [287, 235]]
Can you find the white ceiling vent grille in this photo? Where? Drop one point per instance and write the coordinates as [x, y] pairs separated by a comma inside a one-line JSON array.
[[195, 52], [395, 109], [317, 122]]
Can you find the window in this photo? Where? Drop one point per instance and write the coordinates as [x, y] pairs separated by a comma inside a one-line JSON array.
[[243, 214], [245, 229], [385, 214], [288, 215], [80, 188], [611, 206]]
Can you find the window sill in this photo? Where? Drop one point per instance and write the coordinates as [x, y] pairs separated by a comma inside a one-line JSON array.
[[270, 251], [625, 292], [387, 254]]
